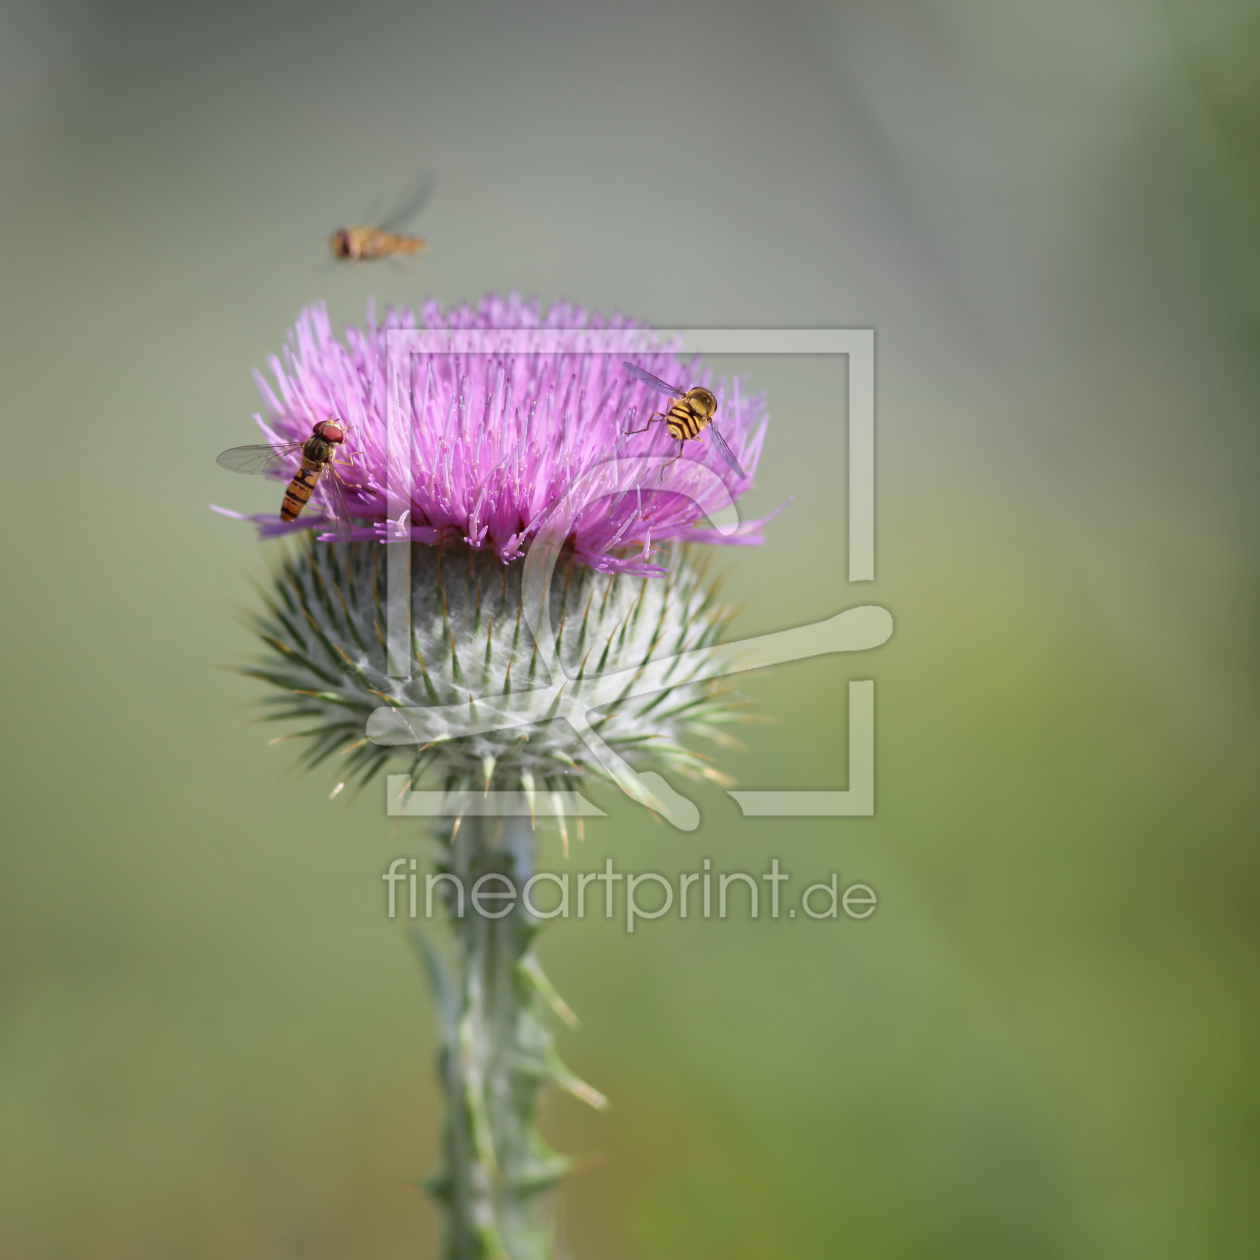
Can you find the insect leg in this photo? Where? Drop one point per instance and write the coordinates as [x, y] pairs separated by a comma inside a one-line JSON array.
[[348, 462], [656, 415], [675, 460]]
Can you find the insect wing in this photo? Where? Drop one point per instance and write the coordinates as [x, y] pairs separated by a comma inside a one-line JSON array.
[[253, 461], [654, 382], [335, 501], [412, 203], [725, 451]]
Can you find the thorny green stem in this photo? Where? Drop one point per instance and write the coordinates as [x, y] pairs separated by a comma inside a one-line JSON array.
[[496, 1053]]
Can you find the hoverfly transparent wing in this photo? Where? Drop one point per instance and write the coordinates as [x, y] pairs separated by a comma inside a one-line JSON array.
[[253, 461], [335, 504], [654, 382], [412, 202], [725, 451]]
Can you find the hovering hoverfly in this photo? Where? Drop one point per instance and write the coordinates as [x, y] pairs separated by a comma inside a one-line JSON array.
[[689, 414], [317, 469], [365, 243]]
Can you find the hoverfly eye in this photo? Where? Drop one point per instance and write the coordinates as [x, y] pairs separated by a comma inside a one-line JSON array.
[[343, 245], [332, 433]]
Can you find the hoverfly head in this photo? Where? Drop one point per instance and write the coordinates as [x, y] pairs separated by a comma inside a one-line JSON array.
[[340, 244], [331, 431], [703, 399]]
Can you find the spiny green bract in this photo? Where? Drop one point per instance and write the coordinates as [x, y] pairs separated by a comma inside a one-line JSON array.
[[325, 626]]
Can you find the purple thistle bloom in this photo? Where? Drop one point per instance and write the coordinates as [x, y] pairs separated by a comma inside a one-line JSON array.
[[498, 437]]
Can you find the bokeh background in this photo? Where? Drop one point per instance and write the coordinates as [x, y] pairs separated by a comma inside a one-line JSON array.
[[1044, 1043]]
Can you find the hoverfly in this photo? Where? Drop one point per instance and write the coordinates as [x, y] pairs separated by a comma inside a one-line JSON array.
[[366, 243], [689, 414], [317, 460]]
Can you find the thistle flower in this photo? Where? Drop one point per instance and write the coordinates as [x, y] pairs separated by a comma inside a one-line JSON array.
[[509, 455], [497, 440]]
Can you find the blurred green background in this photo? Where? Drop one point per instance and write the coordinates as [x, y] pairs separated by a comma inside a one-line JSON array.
[[212, 1041]]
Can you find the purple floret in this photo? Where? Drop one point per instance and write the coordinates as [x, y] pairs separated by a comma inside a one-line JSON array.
[[497, 438]]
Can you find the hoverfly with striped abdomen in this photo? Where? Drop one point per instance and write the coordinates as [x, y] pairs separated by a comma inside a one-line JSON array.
[[689, 414], [317, 469]]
